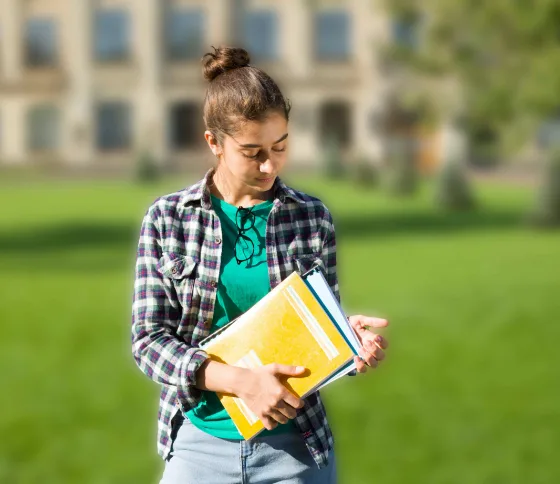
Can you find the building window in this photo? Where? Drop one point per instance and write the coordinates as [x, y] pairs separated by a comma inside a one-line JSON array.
[[405, 30], [260, 30], [112, 35], [186, 128], [332, 35], [113, 126], [40, 42], [43, 123], [184, 33], [335, 124]]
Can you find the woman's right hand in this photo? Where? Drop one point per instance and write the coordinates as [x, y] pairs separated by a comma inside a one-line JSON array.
[[265, 395]]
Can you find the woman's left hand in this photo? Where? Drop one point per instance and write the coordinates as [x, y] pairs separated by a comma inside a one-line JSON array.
[[372, 343]]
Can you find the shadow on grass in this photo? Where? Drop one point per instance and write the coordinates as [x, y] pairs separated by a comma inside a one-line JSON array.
[[69, 236], [88, 263], [424, 223], [70, 247], [55, 241]]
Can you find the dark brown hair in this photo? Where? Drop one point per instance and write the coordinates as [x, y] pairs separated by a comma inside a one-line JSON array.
[[237, 92]]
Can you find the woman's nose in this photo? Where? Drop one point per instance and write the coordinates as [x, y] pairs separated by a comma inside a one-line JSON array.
[[266, 166]]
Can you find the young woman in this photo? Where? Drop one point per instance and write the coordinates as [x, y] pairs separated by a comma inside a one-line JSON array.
[[206, 255]]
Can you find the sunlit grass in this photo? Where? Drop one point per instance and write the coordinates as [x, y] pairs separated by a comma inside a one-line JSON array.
[[468, 394]]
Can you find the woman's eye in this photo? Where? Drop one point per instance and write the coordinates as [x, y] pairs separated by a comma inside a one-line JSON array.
[[253, 157]]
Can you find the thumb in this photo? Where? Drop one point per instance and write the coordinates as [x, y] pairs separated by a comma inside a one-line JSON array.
[[289, 370]]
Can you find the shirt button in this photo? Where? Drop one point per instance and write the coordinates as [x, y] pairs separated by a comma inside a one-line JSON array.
[[218, 241], [214, 284], [174, 270], [208, 323]]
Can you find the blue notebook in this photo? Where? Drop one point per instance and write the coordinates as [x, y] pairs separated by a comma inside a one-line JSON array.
[[320, 288]]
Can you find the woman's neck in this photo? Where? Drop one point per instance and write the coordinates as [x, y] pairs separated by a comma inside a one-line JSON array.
[[233, 192]]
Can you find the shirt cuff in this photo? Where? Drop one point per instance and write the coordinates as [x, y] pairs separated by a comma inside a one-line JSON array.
[[187, 393]]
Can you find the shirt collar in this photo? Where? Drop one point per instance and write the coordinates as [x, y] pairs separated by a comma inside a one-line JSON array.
[[199, 192]]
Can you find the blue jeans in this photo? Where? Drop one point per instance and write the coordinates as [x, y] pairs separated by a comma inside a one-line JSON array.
[[200, 458]]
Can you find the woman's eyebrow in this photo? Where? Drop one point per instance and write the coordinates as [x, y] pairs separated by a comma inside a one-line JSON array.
[[258, 146]]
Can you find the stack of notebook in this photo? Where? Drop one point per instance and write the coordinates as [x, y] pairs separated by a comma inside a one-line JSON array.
[[301, 323]]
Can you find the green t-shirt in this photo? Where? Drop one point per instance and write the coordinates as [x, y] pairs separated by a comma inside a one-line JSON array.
[[240, 286]]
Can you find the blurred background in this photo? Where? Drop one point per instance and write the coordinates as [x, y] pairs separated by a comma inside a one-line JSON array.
[[431, 129]]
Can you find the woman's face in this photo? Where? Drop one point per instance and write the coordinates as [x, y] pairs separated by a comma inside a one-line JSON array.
[[256, 154]]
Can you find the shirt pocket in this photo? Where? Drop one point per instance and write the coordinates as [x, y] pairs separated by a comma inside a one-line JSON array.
[[181, 270]]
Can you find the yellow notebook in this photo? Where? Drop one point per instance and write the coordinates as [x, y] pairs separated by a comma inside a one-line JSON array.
[[288, 326]]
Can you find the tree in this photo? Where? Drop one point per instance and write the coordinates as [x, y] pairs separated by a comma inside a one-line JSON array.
[[401, 174], [505, 56], [146, 168], [547, 212], [332, 156], [452, 189]]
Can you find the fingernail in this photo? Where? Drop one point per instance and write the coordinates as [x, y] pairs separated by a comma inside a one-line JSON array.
[[379, 339], [300, 368]]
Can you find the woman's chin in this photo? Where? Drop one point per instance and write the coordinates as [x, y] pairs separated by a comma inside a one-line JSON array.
[[263, 184]]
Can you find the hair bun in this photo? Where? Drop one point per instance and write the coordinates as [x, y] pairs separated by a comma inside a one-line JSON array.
[[223, 59]]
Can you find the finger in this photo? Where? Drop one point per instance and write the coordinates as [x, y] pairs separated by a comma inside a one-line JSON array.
[[287, 410], [293, 401], [268, 422], [360, 365], [278, 416], [362, 321], [374, 350], [375, 322], [369, 358], [289, 370], [380, 341]]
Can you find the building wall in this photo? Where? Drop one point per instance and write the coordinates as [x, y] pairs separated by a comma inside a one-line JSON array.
[[151, 84]]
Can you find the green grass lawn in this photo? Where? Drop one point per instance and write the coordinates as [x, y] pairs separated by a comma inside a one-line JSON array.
[[469, 393]]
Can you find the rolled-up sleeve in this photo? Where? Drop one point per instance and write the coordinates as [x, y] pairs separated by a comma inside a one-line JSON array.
[[156, 311]]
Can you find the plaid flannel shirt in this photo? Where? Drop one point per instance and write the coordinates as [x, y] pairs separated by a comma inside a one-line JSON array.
[[177, 271]]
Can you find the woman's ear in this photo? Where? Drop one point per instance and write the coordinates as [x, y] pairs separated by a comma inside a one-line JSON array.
[[213, 143]]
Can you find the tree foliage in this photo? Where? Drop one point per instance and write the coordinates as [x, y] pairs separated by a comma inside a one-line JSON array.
[[504, 54]]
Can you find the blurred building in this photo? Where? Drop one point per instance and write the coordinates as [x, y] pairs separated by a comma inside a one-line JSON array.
[[100, 82]]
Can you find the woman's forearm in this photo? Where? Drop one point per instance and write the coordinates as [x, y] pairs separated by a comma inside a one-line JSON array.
[[219, 377]]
